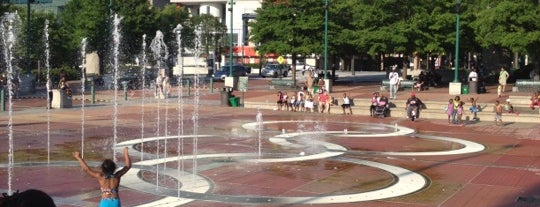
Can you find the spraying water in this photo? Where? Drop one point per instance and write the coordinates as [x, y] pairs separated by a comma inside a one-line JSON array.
[[83, 72], [260, 129], [160, 52], [9, 21], [49, 90], [116, 50], [180, 107], [143, 57], [195, 117]]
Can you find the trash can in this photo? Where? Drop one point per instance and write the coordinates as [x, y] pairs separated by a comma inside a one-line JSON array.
[[225, 95], [465, 89], [235, 101], [473, 87]]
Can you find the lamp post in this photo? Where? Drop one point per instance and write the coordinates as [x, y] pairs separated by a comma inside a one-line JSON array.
[[456, 66], [327, 82], [231, 40], [325, 39]]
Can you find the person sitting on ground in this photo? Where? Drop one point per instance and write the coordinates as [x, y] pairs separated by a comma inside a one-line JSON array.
[[280, 100], [346, 106], [374, 103], [309, 104], [535, 99], [292, 103], [508, 108], [108, 179], [420, 83], [300, 100], [63, 85]]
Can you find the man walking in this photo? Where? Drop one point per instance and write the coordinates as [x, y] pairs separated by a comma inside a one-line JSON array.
[[503, 77], [394, 82]]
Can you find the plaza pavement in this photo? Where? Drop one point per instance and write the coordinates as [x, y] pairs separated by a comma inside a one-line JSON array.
[[300, 159]]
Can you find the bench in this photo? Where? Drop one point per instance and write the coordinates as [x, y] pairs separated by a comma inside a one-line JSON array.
[[527, 84], [282, 83], [403, 84]]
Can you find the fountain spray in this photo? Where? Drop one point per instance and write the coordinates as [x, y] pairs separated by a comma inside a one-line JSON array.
[[83, 72], [49, 90], [116, 50], [180, 106], [143, 57], [9, 22]]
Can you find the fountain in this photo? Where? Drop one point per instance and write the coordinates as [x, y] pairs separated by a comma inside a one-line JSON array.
[[160, 53], [116, 50], [195, 116], [9, 23], [49, 90], [83, 83], [143, 94], [180, 107], [260, 128]]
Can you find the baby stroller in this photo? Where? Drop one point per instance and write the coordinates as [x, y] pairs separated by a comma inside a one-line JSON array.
[[381, 110]]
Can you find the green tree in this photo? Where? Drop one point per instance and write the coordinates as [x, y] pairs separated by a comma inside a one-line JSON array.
[[509, 24]]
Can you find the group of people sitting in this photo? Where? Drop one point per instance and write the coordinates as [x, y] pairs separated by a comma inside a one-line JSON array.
[[304, 101]]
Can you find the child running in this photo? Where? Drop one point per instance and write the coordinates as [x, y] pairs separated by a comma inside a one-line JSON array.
[[450, 110], [474, 107]]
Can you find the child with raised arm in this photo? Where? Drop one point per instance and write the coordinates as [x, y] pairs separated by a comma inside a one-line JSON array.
[[108, 179]]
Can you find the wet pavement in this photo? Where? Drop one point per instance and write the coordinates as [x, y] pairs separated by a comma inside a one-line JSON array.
[[298, 159]]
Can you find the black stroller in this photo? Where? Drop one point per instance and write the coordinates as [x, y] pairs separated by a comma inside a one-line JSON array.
[[382, 110]]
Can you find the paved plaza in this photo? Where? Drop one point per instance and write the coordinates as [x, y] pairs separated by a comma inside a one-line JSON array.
[[212, 155]]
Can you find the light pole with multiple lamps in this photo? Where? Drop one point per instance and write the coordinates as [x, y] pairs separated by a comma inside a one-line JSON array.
[[328, 84], [455, 86], [231, 40]]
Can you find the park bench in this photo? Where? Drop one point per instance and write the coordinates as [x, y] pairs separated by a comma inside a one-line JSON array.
[[527, 84], [403, 84], [281, 83]]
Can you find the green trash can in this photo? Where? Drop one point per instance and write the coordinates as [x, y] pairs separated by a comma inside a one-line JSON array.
[[235, 101], [465, 89]]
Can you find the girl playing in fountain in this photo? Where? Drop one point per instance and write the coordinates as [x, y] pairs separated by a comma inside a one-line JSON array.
[[108, 179]]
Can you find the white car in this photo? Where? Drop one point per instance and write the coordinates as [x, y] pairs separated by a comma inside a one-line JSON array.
[[304, 67]]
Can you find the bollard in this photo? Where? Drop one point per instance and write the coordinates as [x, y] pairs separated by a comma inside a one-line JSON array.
[[187, 87], [211, 85], [2, 99], [124, 84], [92, 94]]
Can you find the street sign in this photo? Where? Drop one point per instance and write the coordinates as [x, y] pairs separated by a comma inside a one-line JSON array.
[[243, 83], [280, 59]]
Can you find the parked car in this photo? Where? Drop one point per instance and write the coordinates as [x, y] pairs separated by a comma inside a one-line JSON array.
[[224, 71], [274, 70]]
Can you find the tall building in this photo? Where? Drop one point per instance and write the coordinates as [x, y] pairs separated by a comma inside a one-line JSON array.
[[242, 12]]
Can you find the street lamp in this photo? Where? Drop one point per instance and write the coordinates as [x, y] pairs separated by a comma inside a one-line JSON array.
[[325, 39], [231, 40], [456, 66]]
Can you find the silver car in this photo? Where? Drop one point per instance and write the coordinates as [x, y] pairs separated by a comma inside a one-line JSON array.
[[274, 70]]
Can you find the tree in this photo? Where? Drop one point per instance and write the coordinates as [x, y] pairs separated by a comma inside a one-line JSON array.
[[509, 24]]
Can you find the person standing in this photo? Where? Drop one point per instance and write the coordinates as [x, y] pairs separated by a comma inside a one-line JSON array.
[[498, 109], [503, 77], [159, 86], [394, 82], [108, 179]]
